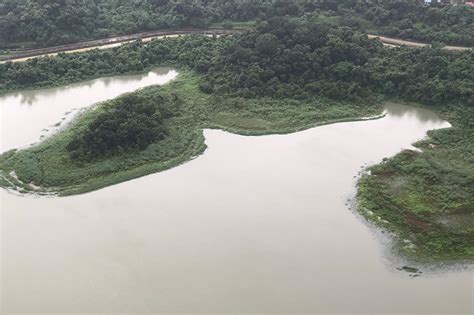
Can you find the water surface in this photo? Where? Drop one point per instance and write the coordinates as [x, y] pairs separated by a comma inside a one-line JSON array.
[[25, 116], [255, 224]]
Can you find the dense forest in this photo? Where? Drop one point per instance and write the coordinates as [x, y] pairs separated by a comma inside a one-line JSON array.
[[281, 58], [50, 22], [35, 23], [286, 58]]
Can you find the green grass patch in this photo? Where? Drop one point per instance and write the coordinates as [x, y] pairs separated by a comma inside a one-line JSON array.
[[428, 197]]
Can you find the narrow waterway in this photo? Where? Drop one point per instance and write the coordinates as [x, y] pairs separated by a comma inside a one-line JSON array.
[[254, 225]]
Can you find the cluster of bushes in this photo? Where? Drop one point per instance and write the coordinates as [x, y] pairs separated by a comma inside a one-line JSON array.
[[130, 122]]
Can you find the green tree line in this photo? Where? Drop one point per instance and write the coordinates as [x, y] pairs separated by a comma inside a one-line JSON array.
[[39, 23], [411, 20], [281, 58]]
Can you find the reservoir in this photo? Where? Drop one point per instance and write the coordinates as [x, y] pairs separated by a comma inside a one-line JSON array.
[[254, 225]]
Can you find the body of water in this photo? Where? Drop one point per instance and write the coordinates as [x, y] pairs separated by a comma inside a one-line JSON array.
[[255, 224]]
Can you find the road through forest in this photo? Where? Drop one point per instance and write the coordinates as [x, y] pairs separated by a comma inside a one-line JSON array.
[[17, 56]]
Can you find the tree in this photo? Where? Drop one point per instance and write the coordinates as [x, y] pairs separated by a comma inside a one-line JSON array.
[[267, 44]]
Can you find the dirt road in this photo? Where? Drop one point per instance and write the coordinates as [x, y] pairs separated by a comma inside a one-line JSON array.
[[147, 36], [400, 42], [106, 43]]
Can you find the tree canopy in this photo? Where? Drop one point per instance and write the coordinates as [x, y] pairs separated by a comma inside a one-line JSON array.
[[281, 58], [37, 23], [131, 122]]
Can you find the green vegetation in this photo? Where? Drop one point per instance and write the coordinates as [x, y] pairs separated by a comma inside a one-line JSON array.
[[283, 76], [51, 165], [188, 51], [282, 58], [39, 23], [428, 198], [131, 122], [451, 25], [54, 168]]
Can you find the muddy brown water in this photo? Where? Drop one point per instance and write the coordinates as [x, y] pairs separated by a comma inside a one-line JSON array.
[[255, 224]]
